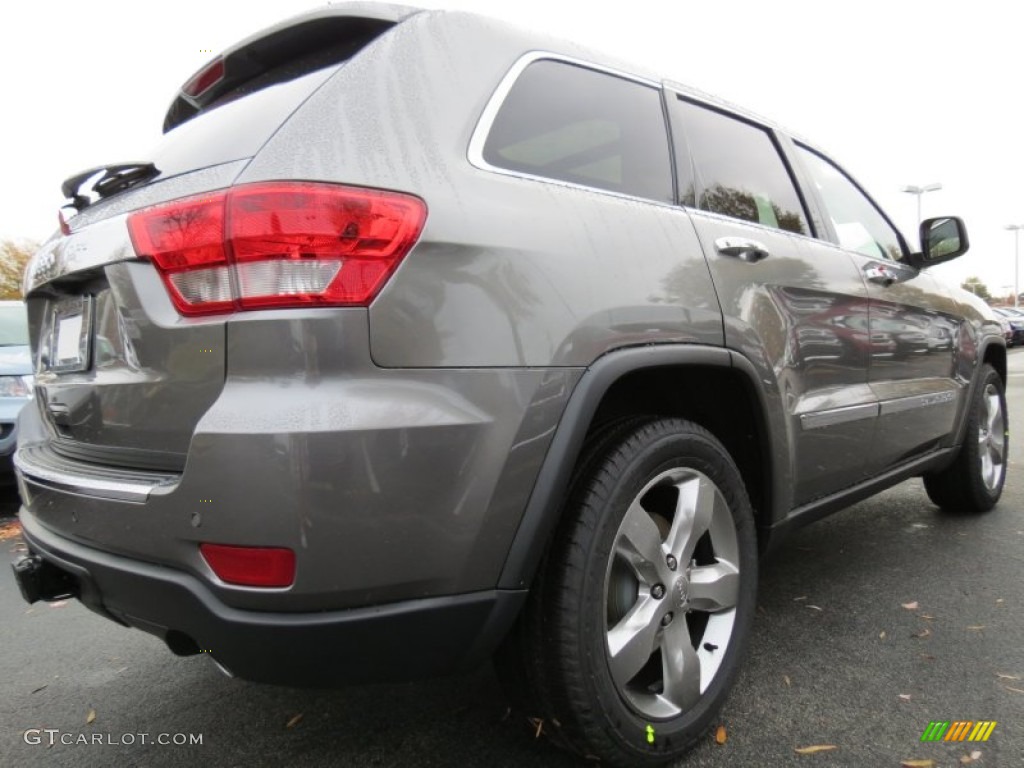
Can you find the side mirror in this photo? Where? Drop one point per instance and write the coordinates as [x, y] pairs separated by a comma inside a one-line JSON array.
[[942, 239]]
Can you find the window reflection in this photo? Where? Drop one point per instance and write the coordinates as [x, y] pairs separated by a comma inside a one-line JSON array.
[[736, 170]]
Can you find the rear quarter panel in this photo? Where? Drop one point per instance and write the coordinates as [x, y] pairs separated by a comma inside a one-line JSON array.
[[508, 271]]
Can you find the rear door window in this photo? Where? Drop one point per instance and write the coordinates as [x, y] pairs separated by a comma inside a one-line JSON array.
[[566, 122], [733, 167], [859, 225]]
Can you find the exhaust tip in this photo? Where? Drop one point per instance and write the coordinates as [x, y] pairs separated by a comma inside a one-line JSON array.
[[181, 644]]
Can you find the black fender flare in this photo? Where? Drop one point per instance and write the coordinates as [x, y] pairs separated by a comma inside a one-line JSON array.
[[552, 484]]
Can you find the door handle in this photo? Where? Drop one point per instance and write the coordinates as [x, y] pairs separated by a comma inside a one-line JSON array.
[[741, 248], [876, 273]]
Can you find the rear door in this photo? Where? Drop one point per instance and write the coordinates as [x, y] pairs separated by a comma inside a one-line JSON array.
[[797, 312], [913, 321]]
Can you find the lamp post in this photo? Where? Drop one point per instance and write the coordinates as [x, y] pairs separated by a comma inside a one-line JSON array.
[[1016, 228], [918, 191]]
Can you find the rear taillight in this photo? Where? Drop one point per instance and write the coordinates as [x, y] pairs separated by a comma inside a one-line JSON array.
[[251, 566], [281, 244]]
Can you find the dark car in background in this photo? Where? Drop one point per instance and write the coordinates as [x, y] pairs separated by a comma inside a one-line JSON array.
[[1015, 320], [15, 379], [420, 339]]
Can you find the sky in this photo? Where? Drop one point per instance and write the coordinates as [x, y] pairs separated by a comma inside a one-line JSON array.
[[898, 92]]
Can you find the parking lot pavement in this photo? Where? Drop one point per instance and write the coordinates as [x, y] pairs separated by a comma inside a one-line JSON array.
[[870, 625]]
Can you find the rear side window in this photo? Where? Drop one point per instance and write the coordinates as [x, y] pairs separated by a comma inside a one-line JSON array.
[[859, 225], [566, 122], [734, 168]]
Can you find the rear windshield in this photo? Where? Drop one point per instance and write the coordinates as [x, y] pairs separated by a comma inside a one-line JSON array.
[[13, 325], [240, 124]]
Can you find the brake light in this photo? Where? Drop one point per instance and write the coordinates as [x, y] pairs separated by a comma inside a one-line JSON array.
[[204, 79], [251, 566], [280, 244]]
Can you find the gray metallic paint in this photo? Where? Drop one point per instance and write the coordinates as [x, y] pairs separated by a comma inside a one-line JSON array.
[[438, 428]]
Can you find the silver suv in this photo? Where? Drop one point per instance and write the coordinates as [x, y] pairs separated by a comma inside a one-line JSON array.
[[420, 339]]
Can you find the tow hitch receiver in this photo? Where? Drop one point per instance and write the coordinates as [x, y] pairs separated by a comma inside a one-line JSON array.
[[40, 580]]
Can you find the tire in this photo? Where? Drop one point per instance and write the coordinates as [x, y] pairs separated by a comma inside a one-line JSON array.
[[974, 481], [637, 622]]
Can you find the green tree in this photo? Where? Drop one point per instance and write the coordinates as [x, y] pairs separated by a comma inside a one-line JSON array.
[[978, 288], [13, 258]]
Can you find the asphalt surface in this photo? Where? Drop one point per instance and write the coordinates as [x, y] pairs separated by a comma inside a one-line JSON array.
[[836, 659]]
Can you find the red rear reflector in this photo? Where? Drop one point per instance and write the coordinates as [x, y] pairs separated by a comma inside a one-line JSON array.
[[251, 566], [204, 79], [281, 244]]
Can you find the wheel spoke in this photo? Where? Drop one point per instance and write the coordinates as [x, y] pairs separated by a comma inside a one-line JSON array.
[[995, 423], [680, 666], [694, 510], [992, 438], [639, 543], [714, 587], [631, 642]]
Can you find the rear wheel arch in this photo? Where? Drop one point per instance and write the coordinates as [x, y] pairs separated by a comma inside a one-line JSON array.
[[710, 386], [995, 355]]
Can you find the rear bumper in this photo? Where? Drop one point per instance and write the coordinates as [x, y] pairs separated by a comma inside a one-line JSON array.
[[397, 641]]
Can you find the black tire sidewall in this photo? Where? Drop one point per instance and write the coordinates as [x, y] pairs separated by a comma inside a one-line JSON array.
[[676, 445]]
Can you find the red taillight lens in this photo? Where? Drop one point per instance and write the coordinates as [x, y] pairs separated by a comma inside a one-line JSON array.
[[204, 79], [251, 566], [285, 244]]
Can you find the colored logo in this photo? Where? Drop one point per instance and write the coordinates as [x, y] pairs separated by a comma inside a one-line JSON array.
[[958, 730]]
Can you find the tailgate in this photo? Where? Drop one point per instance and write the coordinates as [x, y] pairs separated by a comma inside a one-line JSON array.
[[121, 378]]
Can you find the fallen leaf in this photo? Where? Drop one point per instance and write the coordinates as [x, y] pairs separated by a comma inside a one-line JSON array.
[[91, 717], [813, 750], [786, 680], [968, 759], [923, 633], [1000, 600], [720, 735], [881, 635], [925, 763], [295, 719], [976, 627], [910, 606], [815, 607], [1011, 688], [1001, 676], [904, 696], [927, 657]]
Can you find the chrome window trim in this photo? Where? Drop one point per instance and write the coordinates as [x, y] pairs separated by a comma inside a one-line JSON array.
[[475, 152]]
